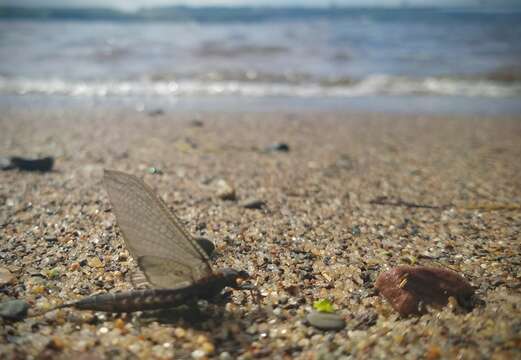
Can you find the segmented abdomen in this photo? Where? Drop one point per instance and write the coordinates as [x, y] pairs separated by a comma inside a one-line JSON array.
[[138, 300]]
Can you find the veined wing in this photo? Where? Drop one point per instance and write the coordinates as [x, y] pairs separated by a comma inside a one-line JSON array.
[[166, 254]]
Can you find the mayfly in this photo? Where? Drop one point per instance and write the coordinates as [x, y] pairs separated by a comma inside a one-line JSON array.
[[173, 265]]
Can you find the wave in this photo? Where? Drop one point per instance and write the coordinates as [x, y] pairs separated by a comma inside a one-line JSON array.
[[215, 49], [371, 85]]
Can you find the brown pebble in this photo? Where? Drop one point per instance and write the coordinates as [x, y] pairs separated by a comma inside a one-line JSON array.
[[410, 288], [74, 266], [433, 353], [5, 276], [119, 324], [56, 343], [208, 347]]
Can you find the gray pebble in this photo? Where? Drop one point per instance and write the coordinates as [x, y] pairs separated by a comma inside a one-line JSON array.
[[14, 309], [325, 321], [280, 147], [154, 170], [51, 238], [5, 163]]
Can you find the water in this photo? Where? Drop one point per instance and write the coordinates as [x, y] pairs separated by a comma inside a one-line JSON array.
[[350, 56]]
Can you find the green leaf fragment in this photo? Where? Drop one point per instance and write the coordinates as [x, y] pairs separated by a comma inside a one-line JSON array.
[[53, 273], [323, 305], [153, 170]]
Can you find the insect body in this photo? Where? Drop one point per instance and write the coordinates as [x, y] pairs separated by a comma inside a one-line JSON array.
[[152, 299], [171, 262]]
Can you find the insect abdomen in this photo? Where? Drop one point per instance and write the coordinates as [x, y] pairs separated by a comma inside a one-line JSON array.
[[133, 301]]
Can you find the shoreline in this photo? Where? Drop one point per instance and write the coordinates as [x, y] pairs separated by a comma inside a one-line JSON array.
[[319, 236], [383, 105]]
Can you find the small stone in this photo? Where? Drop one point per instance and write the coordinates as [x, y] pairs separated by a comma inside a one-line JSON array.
[[208, 348], [83, 262], [283, 299], [119, 324], [410, 288], [355, 230], [179, 332], [196, 123], [325, 321], [5, 163], [74, 266], [56, 343], [38, 289], [433, 353], [198, 354], [154, 170], [225, 356], [253, 204], [225, 191], [155, 112], [95, 262], [51, 238], [14, 309], [6, 277], [281, 147]]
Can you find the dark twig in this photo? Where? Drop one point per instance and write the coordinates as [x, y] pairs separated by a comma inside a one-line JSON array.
[[384, 200]]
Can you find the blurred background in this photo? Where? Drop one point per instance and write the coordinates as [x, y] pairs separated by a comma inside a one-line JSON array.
[[460, 56]]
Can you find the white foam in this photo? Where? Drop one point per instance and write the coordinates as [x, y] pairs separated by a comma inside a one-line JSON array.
[[372, 85]]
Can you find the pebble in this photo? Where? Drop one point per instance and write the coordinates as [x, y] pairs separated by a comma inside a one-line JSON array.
[[14, 309], [281, 147], [154, 170], [119, 324], [225, 356], [198, 354], [208, 347], [253, 204], [196, 123], [409, 288], [5, 163], [56, 343], [95, 262], [325, 321], [225, 191], [6, 277], [156, 112], [51, 238], [38, 289], [179, 332]]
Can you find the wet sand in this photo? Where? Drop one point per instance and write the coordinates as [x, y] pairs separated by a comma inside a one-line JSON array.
[[354, 195]]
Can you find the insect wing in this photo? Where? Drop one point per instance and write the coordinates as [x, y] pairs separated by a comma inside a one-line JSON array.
[[166, 254]]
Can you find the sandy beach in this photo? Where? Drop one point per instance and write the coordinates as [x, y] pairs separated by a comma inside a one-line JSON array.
[[355, 195]]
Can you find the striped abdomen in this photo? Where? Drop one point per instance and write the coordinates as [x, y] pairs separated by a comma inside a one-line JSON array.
[[138, 300]]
